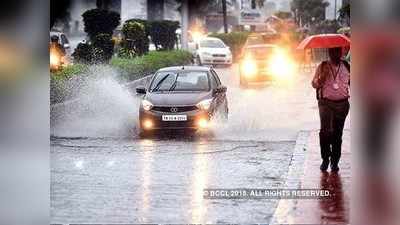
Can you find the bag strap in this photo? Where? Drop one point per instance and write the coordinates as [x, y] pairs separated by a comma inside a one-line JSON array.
[[319, 90], [346, 64]]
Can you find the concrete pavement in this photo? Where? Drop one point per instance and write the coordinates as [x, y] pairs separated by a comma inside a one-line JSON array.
[[304, 173]]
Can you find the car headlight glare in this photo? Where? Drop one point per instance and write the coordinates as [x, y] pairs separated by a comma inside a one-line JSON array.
[[205, 104], [249, 67], [147, 105]]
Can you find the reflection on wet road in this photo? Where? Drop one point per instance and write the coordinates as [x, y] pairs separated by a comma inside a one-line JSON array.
[[160, 181]]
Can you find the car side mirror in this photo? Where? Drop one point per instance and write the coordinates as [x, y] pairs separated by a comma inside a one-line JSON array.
[[220, 89], [141, 90]]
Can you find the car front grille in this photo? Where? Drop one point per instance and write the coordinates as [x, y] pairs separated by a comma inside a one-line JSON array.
[[218, 55], [174, 109]]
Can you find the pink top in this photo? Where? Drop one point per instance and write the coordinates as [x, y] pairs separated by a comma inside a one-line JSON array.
[[333, 88]]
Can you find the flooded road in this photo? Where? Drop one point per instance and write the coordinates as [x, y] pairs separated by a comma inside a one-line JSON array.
[[101, 172]]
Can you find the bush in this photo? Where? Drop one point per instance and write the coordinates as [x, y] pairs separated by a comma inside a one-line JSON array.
[[139, 67], [59, 91], [103, 48], [135, 41], [100, 51], [100, 21], [163, 34], [235, 41], [83, 53]]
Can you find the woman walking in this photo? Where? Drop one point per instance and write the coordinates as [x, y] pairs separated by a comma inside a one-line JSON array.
[[332, 82]]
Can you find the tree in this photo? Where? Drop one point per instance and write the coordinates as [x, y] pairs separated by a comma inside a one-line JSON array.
[[224, 16], [344, 14], [135, 42], [100, 21], [58, 10], [309, 11]]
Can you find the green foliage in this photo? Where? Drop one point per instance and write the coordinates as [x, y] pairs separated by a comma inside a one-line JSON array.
[[326, 27], [99, 25], [163, 34], [100, 21], [145, 23], [100, 51], [147, 64], [59, 92], [235, 41], [135, 41], [103, 48], [83, 53], [344, 14], [308, 9], [68, 71]]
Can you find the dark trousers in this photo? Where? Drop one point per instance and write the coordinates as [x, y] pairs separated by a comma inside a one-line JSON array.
[[333, 116]]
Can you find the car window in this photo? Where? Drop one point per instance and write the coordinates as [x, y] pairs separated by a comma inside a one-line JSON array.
[[213, 81], [211, 43], [216, 78], [182, 81], [260, 52], [255, 40]]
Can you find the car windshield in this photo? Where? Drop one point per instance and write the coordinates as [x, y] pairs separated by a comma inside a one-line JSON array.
[[260, 52], [212, 44], [182, 81]]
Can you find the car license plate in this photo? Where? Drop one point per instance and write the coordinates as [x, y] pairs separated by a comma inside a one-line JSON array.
[[174, 118]]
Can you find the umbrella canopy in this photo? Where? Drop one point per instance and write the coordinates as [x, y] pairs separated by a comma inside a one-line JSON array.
[[324, 41]]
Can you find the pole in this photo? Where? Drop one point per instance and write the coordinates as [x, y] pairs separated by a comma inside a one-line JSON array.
[[335, 8], [224, 16], [185, 22]]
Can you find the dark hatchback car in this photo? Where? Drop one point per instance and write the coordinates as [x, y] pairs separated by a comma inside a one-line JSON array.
[[185, 97]]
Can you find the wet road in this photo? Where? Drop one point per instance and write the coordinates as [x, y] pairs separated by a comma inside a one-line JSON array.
[[101, 175]]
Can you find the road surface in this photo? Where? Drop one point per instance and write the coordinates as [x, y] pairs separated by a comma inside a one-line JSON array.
[[101, 172]]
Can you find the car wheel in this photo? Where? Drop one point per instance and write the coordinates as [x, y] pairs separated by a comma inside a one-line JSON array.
[[198, 61]]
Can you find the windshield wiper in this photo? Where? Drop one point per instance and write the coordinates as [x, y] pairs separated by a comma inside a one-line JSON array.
[[160, 82], [174, 84]]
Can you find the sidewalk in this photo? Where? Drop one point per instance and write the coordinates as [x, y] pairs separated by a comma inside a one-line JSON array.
[[304, 173]]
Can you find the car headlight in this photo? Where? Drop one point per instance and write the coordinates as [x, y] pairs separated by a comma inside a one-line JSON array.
[[249, 67], [147, 105], [205, 104]]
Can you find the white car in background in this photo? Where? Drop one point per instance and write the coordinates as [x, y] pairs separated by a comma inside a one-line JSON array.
[[211, 51], [63, 41]]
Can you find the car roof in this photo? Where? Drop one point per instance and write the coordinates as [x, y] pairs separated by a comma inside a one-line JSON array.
[[209, 38], [262, 46], [185, 68]]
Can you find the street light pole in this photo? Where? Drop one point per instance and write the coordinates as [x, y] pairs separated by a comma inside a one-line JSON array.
[[224, 16]]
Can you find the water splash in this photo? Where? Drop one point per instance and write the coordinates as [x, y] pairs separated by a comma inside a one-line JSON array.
[[103, 107]]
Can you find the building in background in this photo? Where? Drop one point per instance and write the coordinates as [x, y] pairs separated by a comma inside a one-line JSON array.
[[128, 9], [331, 12]]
